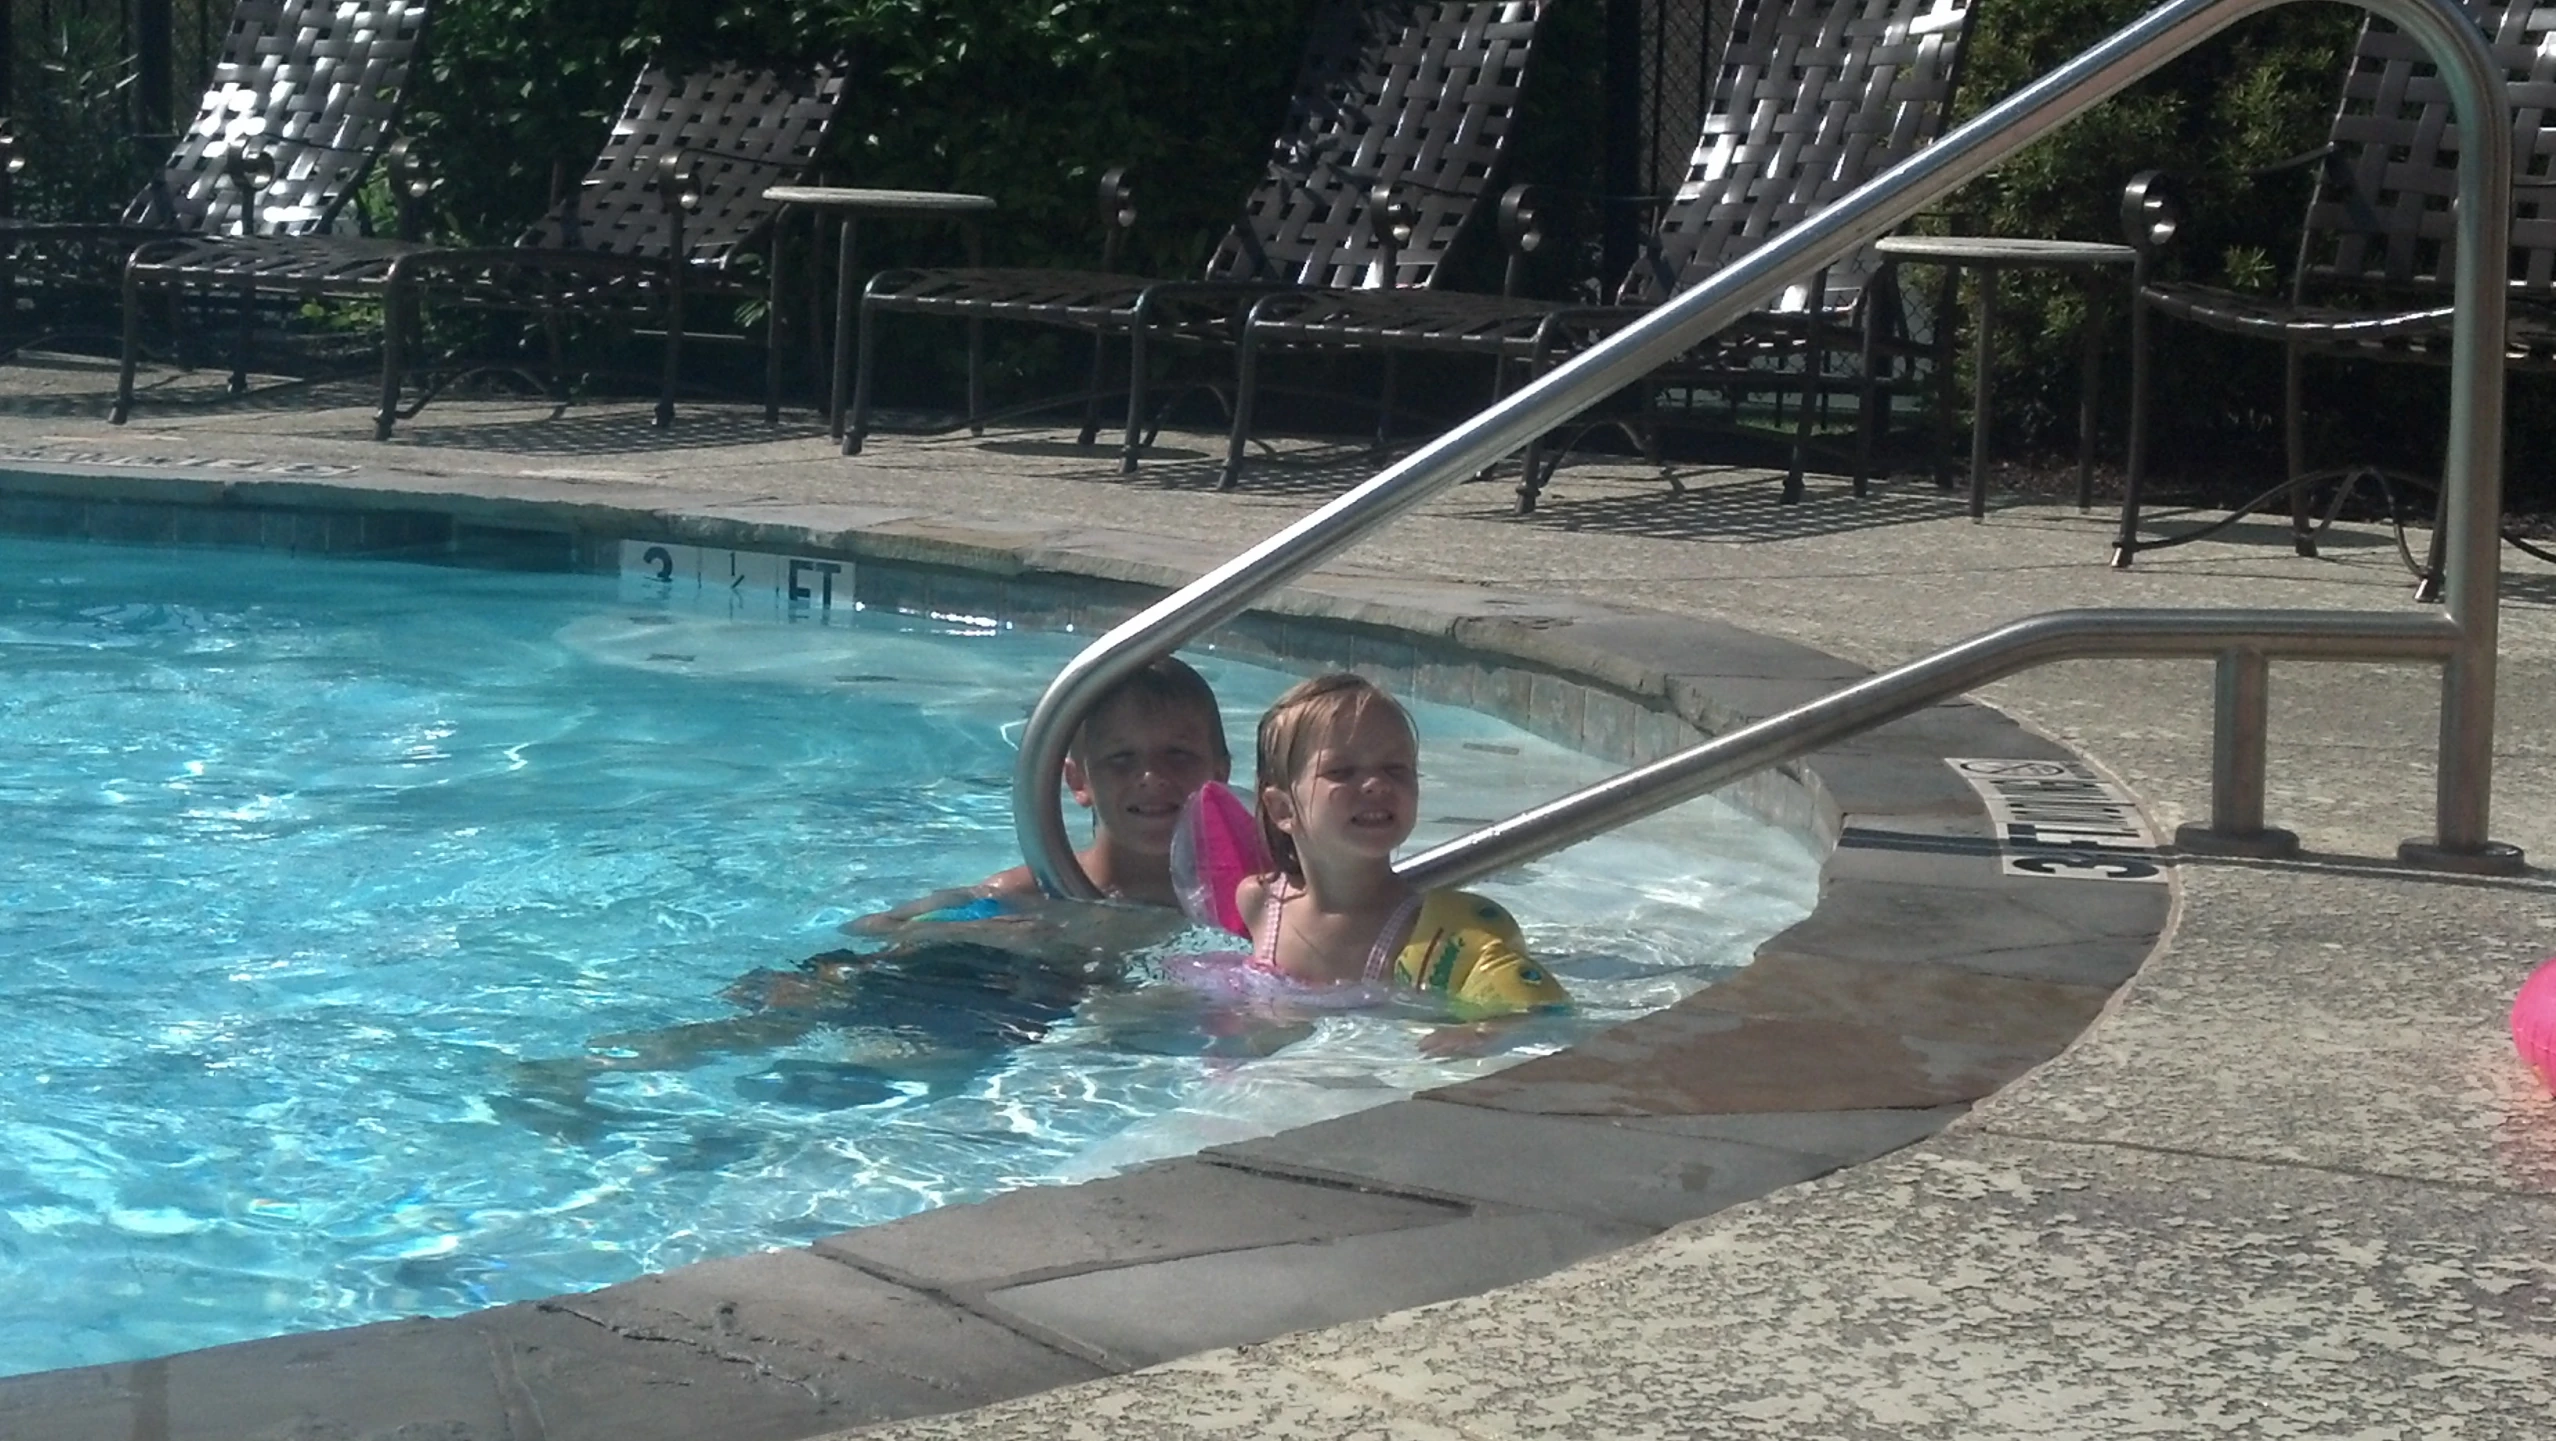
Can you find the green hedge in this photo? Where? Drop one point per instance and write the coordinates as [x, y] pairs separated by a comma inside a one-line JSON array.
[[1029, 100], [2261, 92], [2264, 91]]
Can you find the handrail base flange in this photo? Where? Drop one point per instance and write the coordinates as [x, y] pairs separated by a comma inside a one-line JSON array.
[[2493, 858], [2269, 843]]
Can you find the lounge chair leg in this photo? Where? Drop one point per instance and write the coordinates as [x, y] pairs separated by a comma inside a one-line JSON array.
[[2125, 545], [976, 377], [2427, 586], [123, 410], [1529, 480], [1538, 473], [1136, 359], [1867, 412], [554, 339], [1814, 366], [394, 347], [1092, 391], [1944, 378], [247, 335], [825, 349], [674, 351], [2089, 387], [2294, 448], [857, 429], [1246, 390], [772, 304]]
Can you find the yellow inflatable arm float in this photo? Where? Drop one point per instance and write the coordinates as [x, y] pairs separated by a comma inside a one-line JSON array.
[[1469, 950]]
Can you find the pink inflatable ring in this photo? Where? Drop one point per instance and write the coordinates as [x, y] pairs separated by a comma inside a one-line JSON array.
[[2534, 1023]]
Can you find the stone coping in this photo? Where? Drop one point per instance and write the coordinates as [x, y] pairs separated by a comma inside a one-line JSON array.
[[1927, 977]]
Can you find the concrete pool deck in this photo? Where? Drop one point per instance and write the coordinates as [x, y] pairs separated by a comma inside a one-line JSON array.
[[2292, 1182]]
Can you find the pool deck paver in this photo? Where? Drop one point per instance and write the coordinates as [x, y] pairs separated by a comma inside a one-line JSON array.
[[2291, 1181]]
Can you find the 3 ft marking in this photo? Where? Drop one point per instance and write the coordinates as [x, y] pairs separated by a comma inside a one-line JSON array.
[[2058, 820], [741, 583]]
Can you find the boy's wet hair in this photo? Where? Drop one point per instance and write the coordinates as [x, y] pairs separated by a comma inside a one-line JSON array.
[[1290, 732], [1165, 683]]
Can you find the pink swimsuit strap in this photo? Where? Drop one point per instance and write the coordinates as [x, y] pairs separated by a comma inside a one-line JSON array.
[[1380, 957], [1264, 956]]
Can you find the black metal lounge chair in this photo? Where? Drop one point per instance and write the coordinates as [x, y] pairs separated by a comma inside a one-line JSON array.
[[301, 101], [1392, 141], [2375, 262], [1810, 99], [674, 200]]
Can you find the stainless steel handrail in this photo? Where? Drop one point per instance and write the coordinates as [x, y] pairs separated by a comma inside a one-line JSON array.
[[2471, 490], [1892, 694]]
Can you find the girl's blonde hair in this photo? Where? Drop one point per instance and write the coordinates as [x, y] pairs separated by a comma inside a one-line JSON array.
[[1293, 728]]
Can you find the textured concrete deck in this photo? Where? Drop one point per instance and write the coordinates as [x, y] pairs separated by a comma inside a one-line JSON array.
[[2294, 1183]]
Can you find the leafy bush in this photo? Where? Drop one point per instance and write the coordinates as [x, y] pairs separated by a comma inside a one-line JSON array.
[[1027, 100], [67, 74], [2263, 91]]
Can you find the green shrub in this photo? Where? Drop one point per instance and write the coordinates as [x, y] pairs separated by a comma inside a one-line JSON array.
[[1026, 100], [2260, 92], [66, 75]]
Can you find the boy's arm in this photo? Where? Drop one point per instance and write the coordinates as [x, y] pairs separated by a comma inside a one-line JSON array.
[[1015, 884], [893, 920]]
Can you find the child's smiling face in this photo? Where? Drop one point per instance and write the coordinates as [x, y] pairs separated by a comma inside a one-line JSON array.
[[1139, 761], [1359, 793]]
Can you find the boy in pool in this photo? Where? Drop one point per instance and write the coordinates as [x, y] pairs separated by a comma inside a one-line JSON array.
[[1147, 746], [974, 970]]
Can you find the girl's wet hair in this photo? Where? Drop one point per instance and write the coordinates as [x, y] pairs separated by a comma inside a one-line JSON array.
[[1291, 731], [1166, 683]]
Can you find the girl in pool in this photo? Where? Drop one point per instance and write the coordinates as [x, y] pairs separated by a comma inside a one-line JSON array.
[[1339, 790]]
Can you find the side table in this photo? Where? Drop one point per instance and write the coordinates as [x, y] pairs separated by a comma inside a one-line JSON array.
[[853, 204], [1990, 255]]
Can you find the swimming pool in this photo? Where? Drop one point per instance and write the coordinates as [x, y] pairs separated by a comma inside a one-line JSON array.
[[311, 855]]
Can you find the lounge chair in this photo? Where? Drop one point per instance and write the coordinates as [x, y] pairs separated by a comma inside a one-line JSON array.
[[302, 99], [1392, 141], [2374, 272], [1811, 99], [670, 205]]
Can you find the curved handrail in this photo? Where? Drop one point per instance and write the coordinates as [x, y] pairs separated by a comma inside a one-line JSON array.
[[1879, 699], [2472, 474]]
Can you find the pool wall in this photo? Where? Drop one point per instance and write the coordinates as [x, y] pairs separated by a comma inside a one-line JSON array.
[[1934, 969]]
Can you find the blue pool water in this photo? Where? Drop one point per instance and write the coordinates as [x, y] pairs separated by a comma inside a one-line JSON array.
[[307, 859]]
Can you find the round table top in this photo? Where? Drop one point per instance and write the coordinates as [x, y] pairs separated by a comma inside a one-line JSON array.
[[2003, 250], [879, 202]]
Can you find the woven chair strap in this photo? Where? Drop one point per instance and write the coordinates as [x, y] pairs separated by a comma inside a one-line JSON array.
[[1813, 98], [747, 128], [317, 84], [2381, 210], [1414, 97]]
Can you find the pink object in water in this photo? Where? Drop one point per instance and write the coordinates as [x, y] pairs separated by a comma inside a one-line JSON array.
[[2534, 1023], [1216, 845]]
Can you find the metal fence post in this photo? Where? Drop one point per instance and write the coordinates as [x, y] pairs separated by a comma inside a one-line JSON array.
[[154, 30]]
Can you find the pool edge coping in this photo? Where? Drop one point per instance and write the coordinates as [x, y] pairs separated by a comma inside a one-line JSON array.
[[1662, 1119]]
